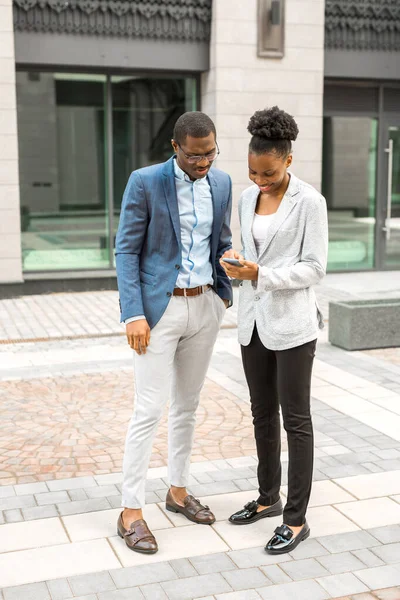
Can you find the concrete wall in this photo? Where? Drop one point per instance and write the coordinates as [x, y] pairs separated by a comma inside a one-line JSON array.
[[10, 247], [239, 83]]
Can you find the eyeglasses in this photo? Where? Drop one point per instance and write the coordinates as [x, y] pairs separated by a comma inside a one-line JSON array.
[[193, 159]]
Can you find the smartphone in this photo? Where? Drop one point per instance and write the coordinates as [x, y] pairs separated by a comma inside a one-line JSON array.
[[232, 261]]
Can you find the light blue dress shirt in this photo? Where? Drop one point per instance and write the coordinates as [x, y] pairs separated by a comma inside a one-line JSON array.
[[195, 207]]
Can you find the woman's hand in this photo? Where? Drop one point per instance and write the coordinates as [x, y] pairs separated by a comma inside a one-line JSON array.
[[249, 271]]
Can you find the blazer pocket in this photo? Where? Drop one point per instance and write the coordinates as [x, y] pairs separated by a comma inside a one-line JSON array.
[[286, 242], [289, 311], [147, 278]]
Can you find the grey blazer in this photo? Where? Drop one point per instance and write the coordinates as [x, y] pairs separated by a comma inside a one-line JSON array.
[[293, 258]]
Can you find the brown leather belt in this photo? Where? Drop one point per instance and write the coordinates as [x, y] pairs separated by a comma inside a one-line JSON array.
[[201, 289]]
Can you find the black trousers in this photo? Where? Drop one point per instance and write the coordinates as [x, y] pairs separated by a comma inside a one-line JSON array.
[[282, 378]]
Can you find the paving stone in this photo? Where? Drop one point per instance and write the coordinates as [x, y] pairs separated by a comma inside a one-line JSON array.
[[307, 568], [183, 568], [153, 485], [342, 542], [90, 597], [256, 557], [389, 553], [341, 563], [185, 589], [13, 516], [78, 494], [7, 491], [380, 577], [298, 590], [32, 591], [372, 467], [275, 574], [357, 458], [390, 453], [204, 477], [102, 491], [368, 558], [84, 506], [59, 589], [24, 489], [230, 474], [153, 591], [153, 498], [115, 501], [71, 484], [388, 594], [11, 503], [127, 594], [245, 485], [244, 595], [211, 489], [39, 512], [91, 583], [137, 576], [389, 465], [344, 471], [341, 584], [51, 498], [387, 535], [212, 563], [243, 579], [309, 549], [1, 518]]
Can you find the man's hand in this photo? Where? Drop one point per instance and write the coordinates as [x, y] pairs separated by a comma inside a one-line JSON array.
[[249, 271], [138, 335]]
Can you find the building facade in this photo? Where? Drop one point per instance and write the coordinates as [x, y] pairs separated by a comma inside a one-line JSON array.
[[90, 90]]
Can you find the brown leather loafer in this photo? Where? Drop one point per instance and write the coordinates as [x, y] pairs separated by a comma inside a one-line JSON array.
[[192, 509], [138, 538]]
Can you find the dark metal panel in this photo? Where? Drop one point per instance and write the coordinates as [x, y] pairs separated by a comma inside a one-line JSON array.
[[358, 64], [391, 100], [344, 98], [63, 50]]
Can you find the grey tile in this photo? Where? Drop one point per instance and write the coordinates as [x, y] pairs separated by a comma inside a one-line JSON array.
[[115, 501], [245, 485], [17, 502], [372, 467], [211, 489], [153, 591], [356, 458], [7, 491], [389, 553], [256, 557], [298, 590], [78, 494], [342, 585], [183, 568], [1, 519], [87, 597], [342, 562], [230, 474], [390, 453], [212, 563], [243, 595], [307, 568], [275, 574], [59, 589], [126, 594], [387, 535], [184, 589], [109, 478], [84, 506], [51, 498], [136, 576], [380, 577], [344, 471], [204, 477], [153, 485], [243, 579], [389, 465], [39, 512], [71, 484], [309, 549], [91, 583], [343, 542], [153, 498], [368, 558], [102, 491], [24, 489], [32, 591], [13, 516]]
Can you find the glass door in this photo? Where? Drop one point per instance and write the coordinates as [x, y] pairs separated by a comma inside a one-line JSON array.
[[391, 197]]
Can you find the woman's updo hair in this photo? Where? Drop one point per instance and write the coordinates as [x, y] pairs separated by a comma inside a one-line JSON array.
[[273, 130]]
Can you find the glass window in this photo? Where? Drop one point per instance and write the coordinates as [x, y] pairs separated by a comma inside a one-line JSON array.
[[61, 126], [349, 186]]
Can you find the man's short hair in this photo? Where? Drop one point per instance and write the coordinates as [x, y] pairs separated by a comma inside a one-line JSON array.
[[195, 124]]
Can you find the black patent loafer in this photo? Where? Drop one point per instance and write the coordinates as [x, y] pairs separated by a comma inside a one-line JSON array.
[[249, 513], [284, 540]]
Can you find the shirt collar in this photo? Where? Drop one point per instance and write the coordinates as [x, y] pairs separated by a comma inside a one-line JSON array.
[[180, 174]]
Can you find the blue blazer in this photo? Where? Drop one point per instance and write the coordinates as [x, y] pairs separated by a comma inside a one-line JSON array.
[[148, 244]]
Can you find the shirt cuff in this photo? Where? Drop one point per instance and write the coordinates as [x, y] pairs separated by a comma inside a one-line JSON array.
[[132, 319]]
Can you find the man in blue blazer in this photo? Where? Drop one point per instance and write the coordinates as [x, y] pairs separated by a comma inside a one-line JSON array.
[[174, 227]]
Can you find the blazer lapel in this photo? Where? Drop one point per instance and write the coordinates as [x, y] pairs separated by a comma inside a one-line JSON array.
[[248, 210], [171, 197], [289, 200]]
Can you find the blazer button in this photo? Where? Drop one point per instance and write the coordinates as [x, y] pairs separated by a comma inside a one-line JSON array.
[[177, 267], [169, 294]]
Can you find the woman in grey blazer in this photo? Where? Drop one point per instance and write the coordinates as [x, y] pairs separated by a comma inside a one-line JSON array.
[[285, 238]]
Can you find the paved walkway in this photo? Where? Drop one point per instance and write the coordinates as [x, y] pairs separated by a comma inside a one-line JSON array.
[[65, 406]]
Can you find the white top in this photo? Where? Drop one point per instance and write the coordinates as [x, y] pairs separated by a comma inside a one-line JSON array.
[[261, 224]]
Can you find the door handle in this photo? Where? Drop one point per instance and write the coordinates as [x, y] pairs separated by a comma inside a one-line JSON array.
[[386, 228]]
